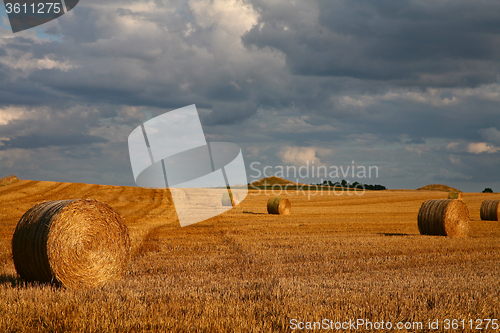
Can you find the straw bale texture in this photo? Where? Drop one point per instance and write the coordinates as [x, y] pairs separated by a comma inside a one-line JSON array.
[[490, 210], [455, 195], [445, 217], [72, 243], [279, 206]]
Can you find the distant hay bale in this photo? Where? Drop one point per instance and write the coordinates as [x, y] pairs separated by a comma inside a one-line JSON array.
[[232, 199], [72, 243], [445, 217], [455, 195], [490, 210], [279, 206]]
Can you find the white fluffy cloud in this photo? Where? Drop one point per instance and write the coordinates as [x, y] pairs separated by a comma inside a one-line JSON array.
[[10, 113], [302, 155], [482, 147], [233, 16]]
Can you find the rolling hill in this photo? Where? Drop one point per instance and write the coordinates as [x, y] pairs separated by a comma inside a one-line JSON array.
[[438, 187], [270, 181]]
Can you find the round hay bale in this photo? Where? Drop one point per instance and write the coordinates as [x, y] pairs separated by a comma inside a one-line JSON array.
[[232, 199], [72, 243], [279, 206], [490, 210], [445, 217], [455, 195]]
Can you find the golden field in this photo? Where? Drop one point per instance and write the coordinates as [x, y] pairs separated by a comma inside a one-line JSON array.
[[337, 258]]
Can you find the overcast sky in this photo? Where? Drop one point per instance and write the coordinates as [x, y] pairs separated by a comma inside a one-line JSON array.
[[411, 87]]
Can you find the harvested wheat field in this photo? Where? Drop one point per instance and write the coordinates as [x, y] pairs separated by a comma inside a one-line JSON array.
[[333, 260]]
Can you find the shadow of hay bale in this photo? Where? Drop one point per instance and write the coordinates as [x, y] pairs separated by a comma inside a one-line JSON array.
[[394, 234], [13, 280], [247, 212]]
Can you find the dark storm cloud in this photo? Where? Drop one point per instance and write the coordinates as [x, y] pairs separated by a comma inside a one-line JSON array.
[[387, 82], [401, 43], [490, 134], [83, 17], [391, 120], [38, 141], [475, 169], [48, 127], [16, 85], [412, 43], [225, 113]]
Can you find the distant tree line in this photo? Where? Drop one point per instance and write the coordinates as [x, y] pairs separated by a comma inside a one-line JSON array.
[[346, 185]]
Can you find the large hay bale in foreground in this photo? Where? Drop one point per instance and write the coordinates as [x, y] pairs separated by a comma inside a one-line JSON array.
[[445, 217], [232, 199], [490, 210], [72, 243], [279, 206], [455, 195]]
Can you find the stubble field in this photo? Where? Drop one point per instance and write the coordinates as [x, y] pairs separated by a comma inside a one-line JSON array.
[[335, 258]]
